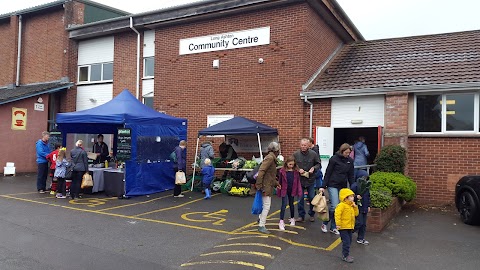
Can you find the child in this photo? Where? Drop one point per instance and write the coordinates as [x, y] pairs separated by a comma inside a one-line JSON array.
[[60, 170], [345, 214], [361, 222], [289, 180], [208, 172], [52, 158]]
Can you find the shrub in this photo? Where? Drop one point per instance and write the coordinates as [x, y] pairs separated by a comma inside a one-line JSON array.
[[392, 158], [400, 185], [380, 197]]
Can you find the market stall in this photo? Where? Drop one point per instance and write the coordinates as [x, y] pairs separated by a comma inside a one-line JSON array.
[[239, 127], [153, 136]]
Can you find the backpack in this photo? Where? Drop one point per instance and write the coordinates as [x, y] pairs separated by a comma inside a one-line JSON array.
[[173, 156]]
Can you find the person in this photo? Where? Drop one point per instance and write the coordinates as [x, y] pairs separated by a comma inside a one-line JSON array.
[[61, 164], [226, 151], [180, 165], [319, 174], [338, 174], [206, 151], [42, 151], [80, 161], [289, 180], [266, 182], [345, 214], [101, 149], [208, 172], [52, 158], [361, 154], [364, 208], [309, 163]]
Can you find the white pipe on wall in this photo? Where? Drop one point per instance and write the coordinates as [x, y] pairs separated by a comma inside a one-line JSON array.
[[311, 116], [138, 57], [19, 50]]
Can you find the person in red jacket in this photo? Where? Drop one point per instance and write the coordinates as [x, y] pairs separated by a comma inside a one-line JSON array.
[[52, 158]]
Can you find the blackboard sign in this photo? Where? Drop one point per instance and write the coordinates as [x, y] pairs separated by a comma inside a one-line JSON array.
[[124, 144], [55, 137]]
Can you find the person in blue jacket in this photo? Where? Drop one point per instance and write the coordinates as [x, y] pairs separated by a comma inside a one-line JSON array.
[[361, 221], [208, 172], [361, 155], [42, 150]]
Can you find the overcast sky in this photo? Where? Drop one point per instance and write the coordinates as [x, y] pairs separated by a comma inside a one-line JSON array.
[[375, 19]]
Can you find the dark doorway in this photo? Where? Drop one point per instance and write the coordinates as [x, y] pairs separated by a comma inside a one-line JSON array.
[[350, 136]]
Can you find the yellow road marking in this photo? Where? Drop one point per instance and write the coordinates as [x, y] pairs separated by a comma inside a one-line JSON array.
[[285, 231], [250, 244], [138, 203], [16, 194], [287, 226], [217, 220], [247, 236], [173, 207], [258, 266], [334, 244], [240, 252]]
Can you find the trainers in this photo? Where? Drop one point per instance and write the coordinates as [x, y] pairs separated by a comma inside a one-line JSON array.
[[41, 191], [312, 219], [264, 230], [292, 222], [324, 228], [52, 192], [363, 242], [281, 225], [348, 259], [335, 231], [300, 219], [60, 196], [179, 196]]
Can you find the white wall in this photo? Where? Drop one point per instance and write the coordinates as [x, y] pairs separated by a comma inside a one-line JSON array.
[[369, 109], [98, 50], [102, 93]]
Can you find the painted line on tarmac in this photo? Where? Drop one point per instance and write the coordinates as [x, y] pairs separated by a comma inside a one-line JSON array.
[[277, 230], [16, 194], [258, 266], [249, 244], [287, 226], [334, 244], [247, 236], [240, 252], [137, 203], [173, 207]]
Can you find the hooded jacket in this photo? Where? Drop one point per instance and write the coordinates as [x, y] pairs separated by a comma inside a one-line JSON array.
[[339, 172], [208, 172], [297, 190], [206, 151], [365, 198], [346, 211], [361, 153], [42, 151]]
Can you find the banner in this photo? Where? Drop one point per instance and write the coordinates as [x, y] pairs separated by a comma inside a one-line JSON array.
[[19, 118]]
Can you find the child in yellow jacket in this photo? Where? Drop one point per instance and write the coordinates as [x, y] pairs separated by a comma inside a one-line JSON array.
[[345, 214]]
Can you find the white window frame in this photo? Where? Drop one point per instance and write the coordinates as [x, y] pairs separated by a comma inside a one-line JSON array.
[[89, 81], [444, 131], [145, 67]]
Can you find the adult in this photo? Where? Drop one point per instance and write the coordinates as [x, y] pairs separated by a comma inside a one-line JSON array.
[[266, 182], [339, 173], [206, 151], [309, 164], [226, 151], [80, 161], [180, 165], [101, 149], [42, 150], [361, 154], [318, 174]]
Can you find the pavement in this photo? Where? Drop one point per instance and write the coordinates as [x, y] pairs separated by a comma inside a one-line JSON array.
[[158, 231]]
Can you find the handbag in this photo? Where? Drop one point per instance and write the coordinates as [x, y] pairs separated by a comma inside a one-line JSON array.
[[69, 170], [180, 178], [257, 206], [87, 181]]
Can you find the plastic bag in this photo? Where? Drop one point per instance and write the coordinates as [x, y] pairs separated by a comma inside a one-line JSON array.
[[257, 206], [87, 181], [180, 178]]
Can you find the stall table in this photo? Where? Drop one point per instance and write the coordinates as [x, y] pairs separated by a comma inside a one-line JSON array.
[[114, 182], [98, 178]]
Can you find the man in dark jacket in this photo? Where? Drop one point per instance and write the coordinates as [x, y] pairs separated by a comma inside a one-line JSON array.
[[101, 149], [308, 163]]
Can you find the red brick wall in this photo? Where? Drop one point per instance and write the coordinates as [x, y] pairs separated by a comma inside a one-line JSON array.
[[436, 164], [18, 146], [322, 110], [396, 119], [8, 52], [187, 86], [125, 63]]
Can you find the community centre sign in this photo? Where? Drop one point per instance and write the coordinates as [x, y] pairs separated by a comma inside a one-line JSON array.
[[226, 41]]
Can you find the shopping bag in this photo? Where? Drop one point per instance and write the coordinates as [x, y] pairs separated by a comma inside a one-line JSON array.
[[257, 206], [322, 204], [87, 181], [316, 199], [180, 178]]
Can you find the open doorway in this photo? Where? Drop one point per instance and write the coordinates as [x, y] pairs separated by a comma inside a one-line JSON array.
[[350, 136]]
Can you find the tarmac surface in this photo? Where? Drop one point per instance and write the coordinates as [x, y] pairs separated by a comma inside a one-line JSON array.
[[158, 231]]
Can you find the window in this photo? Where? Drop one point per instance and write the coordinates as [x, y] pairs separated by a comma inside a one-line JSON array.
[[447, 113], [148, 101], [148, 66], [95, 72]]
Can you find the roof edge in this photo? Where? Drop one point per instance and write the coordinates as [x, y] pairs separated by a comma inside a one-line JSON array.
[[47, 91], [322, 67]]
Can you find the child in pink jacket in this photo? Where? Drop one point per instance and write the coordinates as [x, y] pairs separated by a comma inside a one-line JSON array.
[[289, 180]]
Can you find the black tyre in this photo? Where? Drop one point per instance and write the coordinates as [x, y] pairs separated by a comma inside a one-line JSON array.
[[468, 208]]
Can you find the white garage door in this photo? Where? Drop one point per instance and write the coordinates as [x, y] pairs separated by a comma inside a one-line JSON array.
[[358, 112]]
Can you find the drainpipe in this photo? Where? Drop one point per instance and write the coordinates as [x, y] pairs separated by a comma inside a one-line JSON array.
[[311, 116], [138, 56], [19, 49]]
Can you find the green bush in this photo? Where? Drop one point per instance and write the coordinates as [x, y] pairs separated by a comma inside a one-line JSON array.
[[400, 185], [380, 197], [392, 158]]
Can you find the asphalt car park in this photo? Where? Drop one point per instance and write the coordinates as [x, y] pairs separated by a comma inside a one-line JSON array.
[[162, 232]]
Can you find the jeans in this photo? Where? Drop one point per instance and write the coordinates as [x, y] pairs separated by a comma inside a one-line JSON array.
[[301, 202], [361, 225], [267, 201], [42, 174], [334, 201], [346, 236], [284, 206]]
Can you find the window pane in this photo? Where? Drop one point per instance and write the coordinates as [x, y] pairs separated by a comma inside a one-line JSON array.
[[459, 112], [95, 72], [149, 66], [108, 72], [83, 74], [148, 101], [429, 113]]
